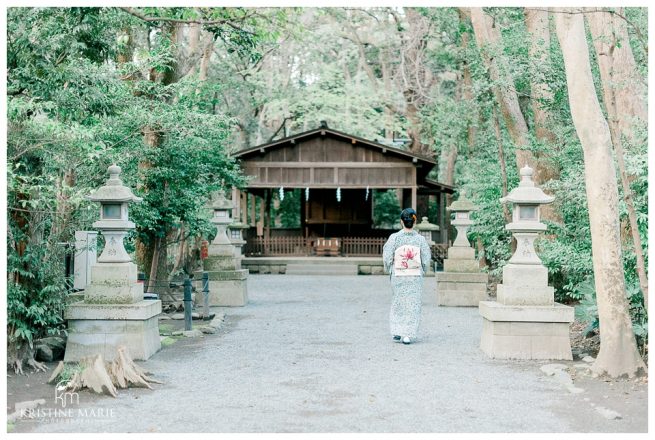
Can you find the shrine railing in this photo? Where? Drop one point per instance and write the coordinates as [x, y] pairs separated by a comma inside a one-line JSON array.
[[349, 246], [278, 246], [362, 246]]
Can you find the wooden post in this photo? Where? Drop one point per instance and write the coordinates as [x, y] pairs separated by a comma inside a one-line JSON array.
[[260, 223], [414, 188], [243, 201], [400, 196], [267, 213], [443, 220], [253, 216], [236, 199]]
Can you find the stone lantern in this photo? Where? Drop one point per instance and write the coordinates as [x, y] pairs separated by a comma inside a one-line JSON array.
[[461, 209], [227, 281], [222, 217], [525, 322], [235, 233], [426, 229], [526, 219], [113, 311], [461, 283]]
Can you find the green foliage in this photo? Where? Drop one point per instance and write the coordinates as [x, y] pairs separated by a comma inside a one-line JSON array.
[[386, 209], [71, 112], [289, 210], [587, 309]]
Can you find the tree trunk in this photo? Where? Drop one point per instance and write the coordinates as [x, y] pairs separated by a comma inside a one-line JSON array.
[[536, 22], [627, 196], [623, 103], [503, 167], [618, 70], [489, 40], [618, 354], [467, 90]]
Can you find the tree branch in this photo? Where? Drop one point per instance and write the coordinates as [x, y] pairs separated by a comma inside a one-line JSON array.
[[145, 18]]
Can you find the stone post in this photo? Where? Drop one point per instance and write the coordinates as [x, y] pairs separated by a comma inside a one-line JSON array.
[[525, 322], [85, 257], [461, 283], [227, 281], [113, 312], [427, 229]]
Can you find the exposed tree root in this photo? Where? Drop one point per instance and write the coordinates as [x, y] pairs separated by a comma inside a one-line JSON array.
[[23, 354], [104, 377]]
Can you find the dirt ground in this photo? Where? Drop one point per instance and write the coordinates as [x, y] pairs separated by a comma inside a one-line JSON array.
[[522, 398]]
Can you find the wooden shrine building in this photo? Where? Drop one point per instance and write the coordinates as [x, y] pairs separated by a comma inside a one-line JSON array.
[[337, 173]]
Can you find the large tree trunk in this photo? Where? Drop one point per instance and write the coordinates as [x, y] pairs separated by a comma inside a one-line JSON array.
[[624, 101], [537, 25], [618, 350], [618, 70], [489, 40]]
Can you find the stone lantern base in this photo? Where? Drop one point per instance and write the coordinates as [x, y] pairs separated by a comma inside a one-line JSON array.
[[228, 288], [101, 328], [227, 281], [461, 284], [526, 331]]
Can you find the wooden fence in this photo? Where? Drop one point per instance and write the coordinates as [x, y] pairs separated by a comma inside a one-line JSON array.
[[278, 246], [362, 246], [350, 246]]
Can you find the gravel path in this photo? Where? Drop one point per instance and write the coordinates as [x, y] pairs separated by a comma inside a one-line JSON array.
[[313, 354]]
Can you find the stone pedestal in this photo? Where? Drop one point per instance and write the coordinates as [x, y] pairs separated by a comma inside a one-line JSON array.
[[227, 281], [526, 332], [102, 328], [228, 287], [525, 322], [113, 313], [461, 283]]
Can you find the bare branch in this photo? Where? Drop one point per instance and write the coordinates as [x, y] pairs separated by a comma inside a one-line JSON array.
[[145, 18]]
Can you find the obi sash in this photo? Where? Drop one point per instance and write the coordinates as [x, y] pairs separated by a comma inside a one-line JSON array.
[[407, 261]]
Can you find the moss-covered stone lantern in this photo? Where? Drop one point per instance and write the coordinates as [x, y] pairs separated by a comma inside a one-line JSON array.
[[114, 223], [113, 312], [426, 229]]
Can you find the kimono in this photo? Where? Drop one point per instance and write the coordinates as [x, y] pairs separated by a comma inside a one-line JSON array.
[[406, 256]]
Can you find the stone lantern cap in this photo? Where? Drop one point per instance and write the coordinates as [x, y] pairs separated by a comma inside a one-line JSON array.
[[114, 190], [425, 225], [527, 192], [220, 202], [462, 204], [238, 225]]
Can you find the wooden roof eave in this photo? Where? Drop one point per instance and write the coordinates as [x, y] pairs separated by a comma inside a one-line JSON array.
[[385, 148], [429, 184]]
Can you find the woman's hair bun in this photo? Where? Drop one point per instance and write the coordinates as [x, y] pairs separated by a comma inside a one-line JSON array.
[[408, 217]]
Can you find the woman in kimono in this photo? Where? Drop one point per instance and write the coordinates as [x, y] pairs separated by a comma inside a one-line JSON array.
[[406, 257]]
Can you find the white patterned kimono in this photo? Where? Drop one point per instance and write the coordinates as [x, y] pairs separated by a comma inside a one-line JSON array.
[[406, 256]]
